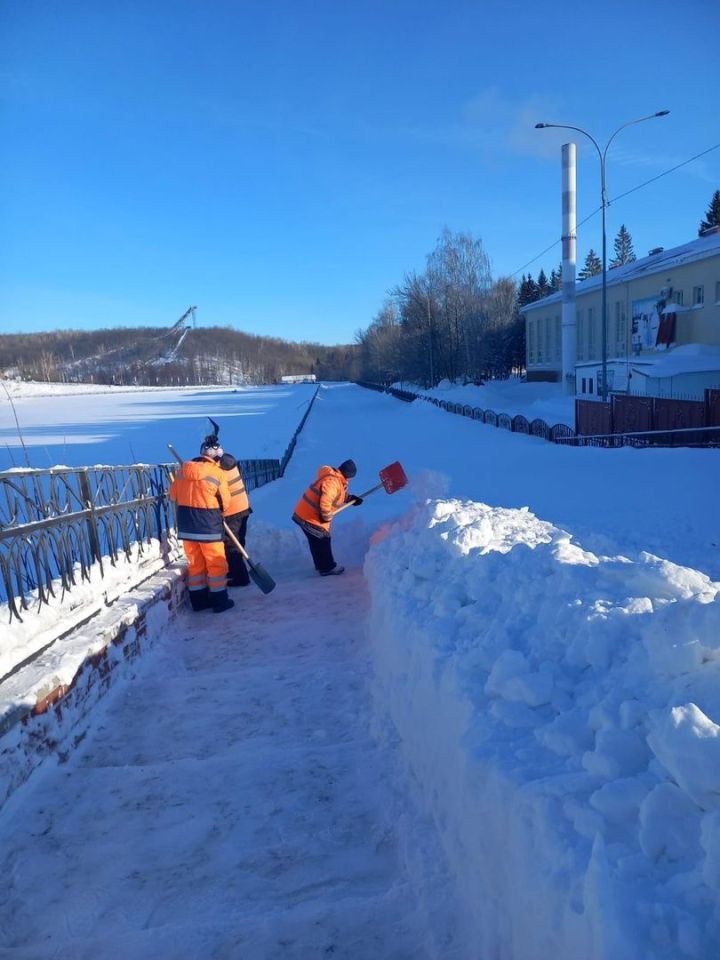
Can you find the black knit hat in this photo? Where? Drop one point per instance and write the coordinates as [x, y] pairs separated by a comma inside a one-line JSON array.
[[348, 469]]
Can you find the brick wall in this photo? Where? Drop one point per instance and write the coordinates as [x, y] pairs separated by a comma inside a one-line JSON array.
[[46, 708]]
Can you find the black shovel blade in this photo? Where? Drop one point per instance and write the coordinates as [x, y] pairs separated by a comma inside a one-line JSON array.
[[261, 578]]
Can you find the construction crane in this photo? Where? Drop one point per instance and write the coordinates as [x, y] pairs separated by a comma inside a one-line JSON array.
[[179, 323]]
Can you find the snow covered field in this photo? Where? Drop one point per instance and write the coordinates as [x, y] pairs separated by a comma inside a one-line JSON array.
[[77, 425], [496, 736]]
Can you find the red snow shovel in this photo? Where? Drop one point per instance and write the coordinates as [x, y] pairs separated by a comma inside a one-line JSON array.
[[392, 478]]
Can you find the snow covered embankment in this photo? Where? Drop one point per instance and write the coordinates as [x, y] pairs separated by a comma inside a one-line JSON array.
[[558, 712]]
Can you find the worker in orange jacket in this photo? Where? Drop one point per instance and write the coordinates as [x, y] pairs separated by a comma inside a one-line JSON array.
[[236, 514], [200, 490], [314, 513]]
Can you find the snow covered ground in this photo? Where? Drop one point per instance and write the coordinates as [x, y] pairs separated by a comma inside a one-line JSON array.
[[495, 736], [544, 401], [230, 803]]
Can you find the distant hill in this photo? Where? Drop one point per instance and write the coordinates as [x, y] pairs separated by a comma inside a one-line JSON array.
[[168, 356]]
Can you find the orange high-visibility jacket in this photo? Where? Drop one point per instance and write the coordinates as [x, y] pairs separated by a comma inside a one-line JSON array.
[[239, 500], [317, 505], [200, 490]]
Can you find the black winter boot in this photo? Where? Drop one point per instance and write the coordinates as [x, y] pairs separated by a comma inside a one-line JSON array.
[[200, 599], [221, 601]]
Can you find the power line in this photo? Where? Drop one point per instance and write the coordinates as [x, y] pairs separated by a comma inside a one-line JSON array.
[[671, 170], [615, 199]]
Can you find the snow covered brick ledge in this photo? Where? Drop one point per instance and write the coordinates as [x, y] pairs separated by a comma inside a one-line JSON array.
[[46, 708], [559, 717]]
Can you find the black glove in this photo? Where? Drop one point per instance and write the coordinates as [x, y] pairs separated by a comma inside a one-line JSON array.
[[355, 501]]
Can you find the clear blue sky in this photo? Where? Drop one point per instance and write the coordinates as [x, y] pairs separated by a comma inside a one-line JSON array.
[[283, 164]]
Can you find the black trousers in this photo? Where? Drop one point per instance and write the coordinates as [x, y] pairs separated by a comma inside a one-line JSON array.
[[237, 571], [321, 550]]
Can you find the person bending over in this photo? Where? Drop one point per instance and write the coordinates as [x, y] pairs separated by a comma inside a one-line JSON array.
[[316, 508]]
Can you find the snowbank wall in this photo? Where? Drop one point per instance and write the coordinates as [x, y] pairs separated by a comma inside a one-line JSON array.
[[554, 710], [46, 708]]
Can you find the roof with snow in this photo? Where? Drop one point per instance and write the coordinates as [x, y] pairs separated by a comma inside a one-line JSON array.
[[688, 358], [700, 249], [685, 359]]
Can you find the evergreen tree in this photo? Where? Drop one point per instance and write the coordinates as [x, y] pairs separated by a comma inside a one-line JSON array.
[[556, 279], [624, 252], [593, 266], [712, 217], [543, 285], [528, 291]]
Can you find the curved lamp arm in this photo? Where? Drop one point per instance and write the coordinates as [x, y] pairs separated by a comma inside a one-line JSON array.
[[650, 116]]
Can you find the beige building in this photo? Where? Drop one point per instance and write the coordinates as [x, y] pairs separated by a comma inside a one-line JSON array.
[[666, 304]]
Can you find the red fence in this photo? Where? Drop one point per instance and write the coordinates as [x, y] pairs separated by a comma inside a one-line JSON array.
[[635, 415]]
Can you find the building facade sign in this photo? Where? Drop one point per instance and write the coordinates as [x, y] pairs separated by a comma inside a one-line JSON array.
[[645, 323]]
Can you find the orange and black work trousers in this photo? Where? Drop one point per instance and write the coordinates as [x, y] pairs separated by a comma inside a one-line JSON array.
[[207, 566], [321, 550], [237, 571]]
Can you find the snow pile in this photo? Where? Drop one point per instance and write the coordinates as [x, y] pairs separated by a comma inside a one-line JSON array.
[[559, 710]]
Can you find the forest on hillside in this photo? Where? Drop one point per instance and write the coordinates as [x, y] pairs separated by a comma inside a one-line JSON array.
[[169, 356]]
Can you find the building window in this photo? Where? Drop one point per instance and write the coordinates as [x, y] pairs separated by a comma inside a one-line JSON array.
[[558, 339], [584, 385], [532, 341], [590, 385], [590, 336], [540, 339], [580, 337], [717, 291], [678, 297], [620, 332], [548, 331], [698, 296]]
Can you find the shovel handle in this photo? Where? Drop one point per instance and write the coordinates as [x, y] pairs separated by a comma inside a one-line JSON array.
[[237, 543], [371, 490], [362, 497]]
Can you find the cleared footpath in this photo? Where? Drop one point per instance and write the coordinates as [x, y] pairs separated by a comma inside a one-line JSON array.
[[230, 801]]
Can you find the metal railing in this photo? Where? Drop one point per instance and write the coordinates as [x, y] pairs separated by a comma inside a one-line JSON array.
[[55, 524], [58, 525], [677, 437], [291, 446]]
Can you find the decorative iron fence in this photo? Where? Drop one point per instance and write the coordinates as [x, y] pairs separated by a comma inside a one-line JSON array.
[[598, 431], [405, 395], [517, 424], [56, 524], [291, 446]]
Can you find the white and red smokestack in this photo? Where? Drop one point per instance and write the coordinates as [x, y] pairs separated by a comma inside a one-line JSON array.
[[569, 257]]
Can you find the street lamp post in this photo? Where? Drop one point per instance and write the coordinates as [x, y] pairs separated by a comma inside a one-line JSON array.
[[603, 194]]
